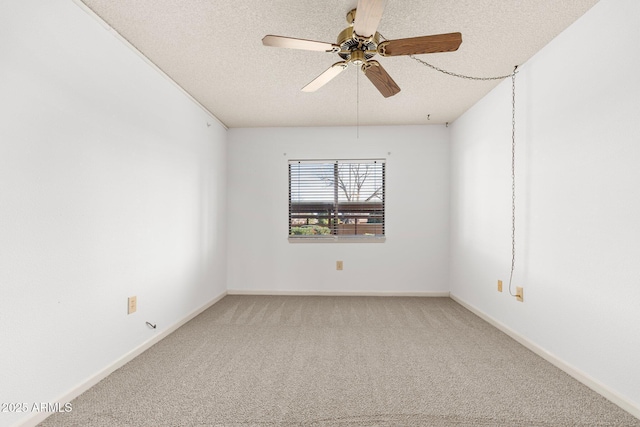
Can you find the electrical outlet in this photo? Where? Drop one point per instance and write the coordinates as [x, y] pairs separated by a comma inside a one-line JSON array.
[[519, 294], [338, 265], [499, 285], [133, 305]]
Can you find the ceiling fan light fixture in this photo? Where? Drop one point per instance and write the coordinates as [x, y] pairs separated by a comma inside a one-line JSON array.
[[357, 57]]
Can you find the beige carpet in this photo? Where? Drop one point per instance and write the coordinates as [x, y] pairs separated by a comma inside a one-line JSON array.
[[339, 361]]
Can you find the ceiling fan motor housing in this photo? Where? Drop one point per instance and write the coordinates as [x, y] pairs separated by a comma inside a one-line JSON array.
[[348, 43]]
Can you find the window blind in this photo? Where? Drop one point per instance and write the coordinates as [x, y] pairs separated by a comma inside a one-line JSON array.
[[336, 198]]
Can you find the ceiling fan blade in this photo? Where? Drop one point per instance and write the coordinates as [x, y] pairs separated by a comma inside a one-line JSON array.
[[291, 43], [325, 77], [418, 45], [380, 78], [368, 15]]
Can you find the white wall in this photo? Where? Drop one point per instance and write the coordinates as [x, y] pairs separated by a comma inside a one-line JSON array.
[[578, 210], [414, 257], [111, 185]]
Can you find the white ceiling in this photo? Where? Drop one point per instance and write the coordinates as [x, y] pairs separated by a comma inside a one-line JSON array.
[[213, 50]]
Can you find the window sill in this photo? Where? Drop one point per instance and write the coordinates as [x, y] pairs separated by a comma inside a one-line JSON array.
[[337, 239]]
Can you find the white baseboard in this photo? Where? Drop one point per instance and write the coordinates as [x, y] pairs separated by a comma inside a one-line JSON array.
[[576, 373], [99, 376], [338, 293]]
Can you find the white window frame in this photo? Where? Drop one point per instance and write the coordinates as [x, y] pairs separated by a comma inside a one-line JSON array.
[[357, 220]]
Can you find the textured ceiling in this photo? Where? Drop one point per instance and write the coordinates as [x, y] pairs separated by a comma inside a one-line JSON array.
[[213, 49]]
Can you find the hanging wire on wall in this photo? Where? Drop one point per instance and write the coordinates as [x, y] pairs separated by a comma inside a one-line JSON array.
[[513, 177], [513, 146]]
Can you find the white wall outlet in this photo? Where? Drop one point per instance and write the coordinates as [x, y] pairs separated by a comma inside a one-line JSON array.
[[519, 294], [132, 305]]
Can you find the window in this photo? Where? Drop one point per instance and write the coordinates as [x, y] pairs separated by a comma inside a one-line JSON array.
[[332, 199]]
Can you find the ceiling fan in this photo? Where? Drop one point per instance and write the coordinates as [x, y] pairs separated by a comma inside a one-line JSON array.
[[360, 42]]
